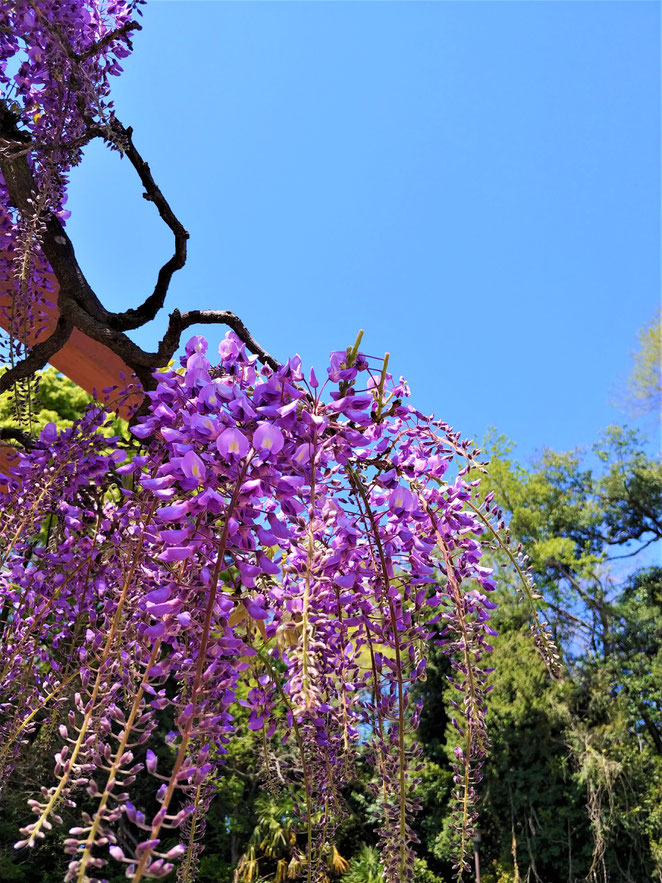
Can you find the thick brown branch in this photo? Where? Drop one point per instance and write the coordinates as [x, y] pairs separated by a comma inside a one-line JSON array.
[[134, 318], [180, 321], [55, 242], [14, 149], [9, 125], [39, 356], [10, 433]]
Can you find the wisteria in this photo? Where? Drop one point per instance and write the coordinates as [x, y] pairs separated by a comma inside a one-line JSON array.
[[55, 63], [268, 547], [305, 540]]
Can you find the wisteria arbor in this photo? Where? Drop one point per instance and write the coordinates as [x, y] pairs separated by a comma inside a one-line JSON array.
[[268, 534]]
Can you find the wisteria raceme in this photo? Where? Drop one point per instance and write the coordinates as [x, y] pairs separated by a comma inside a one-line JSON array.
[[272, 542], [56, 60]]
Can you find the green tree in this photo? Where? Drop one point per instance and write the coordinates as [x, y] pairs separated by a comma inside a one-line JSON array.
[[572, 786], [534, 823], [645, 381], [53, 399], [617, 735], [576, 513], [590, 767]]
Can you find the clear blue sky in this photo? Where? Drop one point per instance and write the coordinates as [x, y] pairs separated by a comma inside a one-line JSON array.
[[477, 185]]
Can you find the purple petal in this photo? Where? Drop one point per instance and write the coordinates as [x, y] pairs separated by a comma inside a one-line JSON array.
[[158, 596], [303, 454], [268, 439], [267, 565], [193, 467], [402, 499], [48, 433], [173, 513], [176, 553], [196, 344], [155, 631], [232, 443], [215, 393], [254, 610], [345, 581], [229, 347]]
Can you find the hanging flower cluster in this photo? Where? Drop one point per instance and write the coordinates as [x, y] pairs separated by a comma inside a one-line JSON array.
[[55, 63], [56, 60], [293, 542]]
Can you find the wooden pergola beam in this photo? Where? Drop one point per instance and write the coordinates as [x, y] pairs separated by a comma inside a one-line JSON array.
[[86, 362]]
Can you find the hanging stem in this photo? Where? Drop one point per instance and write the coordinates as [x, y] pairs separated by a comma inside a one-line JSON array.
[[27, 721], [115, 767], [309, 572], [57, 792], [373, 661], [187, 866], [398, 668], [473, 695], [202, 652], [549, 656], [304, 764]]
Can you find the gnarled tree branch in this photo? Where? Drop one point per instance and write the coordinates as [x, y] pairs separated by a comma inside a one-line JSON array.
[[106, 40], [77, 300], [179, 322], [134, 318]]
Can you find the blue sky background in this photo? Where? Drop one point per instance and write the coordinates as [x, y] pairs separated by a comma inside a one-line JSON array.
[[476, 184]]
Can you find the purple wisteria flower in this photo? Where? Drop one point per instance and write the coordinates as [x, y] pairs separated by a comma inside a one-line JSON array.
[[268, 439], [193, 468], [264, 536], [232, 443]]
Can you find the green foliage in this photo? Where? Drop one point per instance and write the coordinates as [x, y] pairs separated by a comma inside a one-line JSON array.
[[636, 658], [576, 762], [533, 817], [645, 381], [617, 734], [58, 400], [365, 867], [54, 399], [423, 874], [575, 513], [580, 503]]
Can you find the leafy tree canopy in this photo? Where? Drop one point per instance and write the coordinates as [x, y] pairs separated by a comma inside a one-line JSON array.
[[645, 381]]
